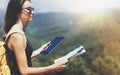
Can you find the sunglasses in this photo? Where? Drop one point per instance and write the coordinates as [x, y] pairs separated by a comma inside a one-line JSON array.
[[29, 9]]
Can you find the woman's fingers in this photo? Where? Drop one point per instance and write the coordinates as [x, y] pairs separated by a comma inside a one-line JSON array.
[[60, 65], [45, 46]]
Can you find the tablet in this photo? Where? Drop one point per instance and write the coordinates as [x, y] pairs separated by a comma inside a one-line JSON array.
[[54, 43]]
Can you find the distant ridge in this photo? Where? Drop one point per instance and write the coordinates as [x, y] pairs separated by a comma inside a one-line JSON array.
[[2, 13]]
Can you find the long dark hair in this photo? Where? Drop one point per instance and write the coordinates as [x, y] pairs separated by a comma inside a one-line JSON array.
[[13, 9]]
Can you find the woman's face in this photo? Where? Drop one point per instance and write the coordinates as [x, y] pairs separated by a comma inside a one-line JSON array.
[[27, 11]]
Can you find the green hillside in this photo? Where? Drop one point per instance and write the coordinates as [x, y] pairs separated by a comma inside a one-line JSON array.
[[99, 34]]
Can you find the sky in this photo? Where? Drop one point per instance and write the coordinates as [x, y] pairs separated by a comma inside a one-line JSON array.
[[68, 5]]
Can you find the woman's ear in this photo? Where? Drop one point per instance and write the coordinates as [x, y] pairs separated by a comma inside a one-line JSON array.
[[20, 14]]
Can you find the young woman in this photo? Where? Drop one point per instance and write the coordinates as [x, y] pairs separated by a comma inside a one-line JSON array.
[[19, 50]]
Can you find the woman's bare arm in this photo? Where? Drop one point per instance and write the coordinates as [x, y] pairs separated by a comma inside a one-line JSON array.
[[17, 45]]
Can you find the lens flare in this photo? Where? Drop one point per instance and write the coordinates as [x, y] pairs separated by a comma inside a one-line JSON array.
[[92, 5]]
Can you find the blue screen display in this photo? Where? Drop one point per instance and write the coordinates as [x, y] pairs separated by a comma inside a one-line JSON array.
[[54, 43]]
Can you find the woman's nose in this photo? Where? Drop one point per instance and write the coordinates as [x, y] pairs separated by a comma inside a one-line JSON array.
[[32, 12]]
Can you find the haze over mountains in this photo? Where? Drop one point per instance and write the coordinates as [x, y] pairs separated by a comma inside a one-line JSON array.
[[2, 13], [98, 33]]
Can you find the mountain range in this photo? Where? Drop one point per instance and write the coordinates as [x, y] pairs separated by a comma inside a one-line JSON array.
[[99, 33]]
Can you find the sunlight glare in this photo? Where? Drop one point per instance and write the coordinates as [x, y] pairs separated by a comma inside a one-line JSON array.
[[92, 5]]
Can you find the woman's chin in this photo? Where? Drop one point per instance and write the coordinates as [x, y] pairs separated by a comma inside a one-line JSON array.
[[31, 19]]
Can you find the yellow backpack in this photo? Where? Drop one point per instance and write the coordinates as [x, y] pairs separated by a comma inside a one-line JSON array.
[[4, 68]]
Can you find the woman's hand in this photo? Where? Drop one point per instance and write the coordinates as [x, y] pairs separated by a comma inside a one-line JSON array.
[[45, 46], [38, 51], [59, 66]]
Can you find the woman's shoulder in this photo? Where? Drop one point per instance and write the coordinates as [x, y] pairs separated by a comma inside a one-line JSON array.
[[16, 30], [17, 35]]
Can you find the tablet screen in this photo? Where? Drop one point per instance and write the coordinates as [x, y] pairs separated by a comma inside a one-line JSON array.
[[54, 43]]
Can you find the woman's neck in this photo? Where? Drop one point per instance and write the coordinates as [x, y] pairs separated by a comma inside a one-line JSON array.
[[21, 24]]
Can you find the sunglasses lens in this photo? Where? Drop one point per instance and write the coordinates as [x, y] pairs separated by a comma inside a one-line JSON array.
[[30, 9]]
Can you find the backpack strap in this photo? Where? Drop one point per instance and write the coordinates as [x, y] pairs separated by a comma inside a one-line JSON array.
[[2, 50], [9, 35]]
